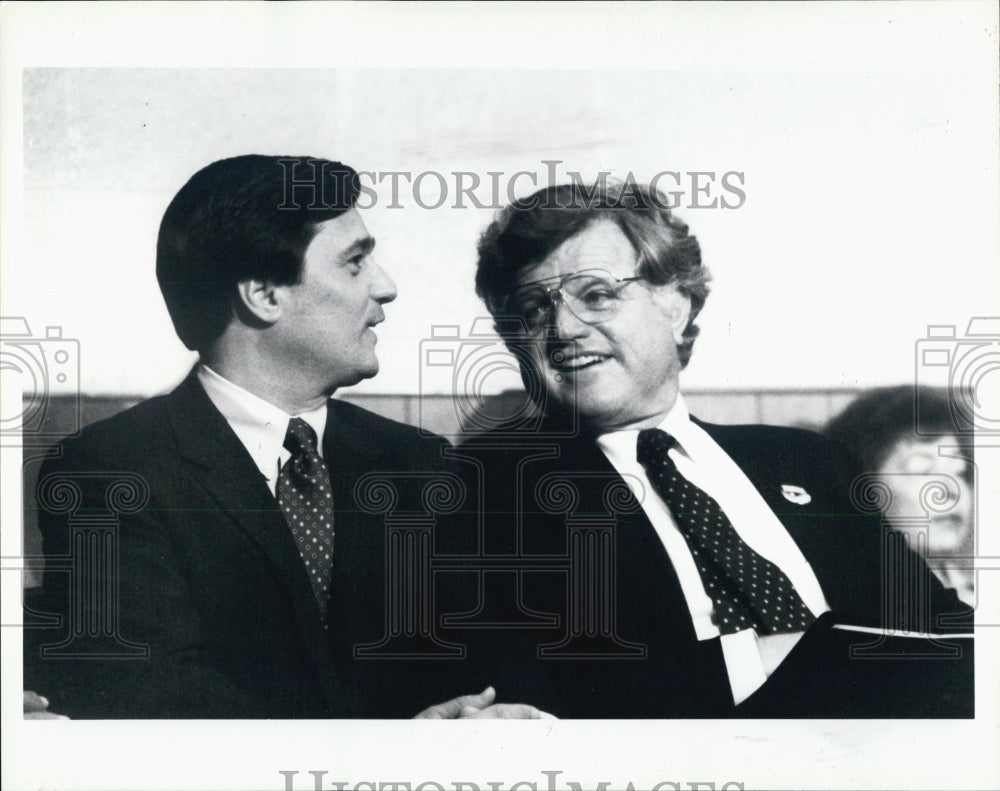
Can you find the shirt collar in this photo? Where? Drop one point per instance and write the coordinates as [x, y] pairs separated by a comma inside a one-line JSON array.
[[677, 423], [259, 424]]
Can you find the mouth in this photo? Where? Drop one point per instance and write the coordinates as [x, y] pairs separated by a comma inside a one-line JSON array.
[[952, 522], [572, 362]]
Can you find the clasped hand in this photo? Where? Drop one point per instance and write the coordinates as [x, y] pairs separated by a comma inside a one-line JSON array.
[[482, 707]]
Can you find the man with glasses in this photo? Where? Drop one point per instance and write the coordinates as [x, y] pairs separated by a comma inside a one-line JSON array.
[[719, 584]]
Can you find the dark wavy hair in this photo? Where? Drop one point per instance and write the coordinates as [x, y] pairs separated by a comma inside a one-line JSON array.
[[529, 229], [237, 219], [873, 424]]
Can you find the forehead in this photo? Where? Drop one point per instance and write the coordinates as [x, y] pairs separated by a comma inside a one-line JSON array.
[[601, 245], [336, 236]]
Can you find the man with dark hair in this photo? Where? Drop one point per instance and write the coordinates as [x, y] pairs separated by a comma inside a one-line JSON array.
[[207, 551], [698, 570]]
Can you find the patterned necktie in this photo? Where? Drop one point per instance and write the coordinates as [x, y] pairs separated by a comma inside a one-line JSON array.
[[748, 591], [306, 499]]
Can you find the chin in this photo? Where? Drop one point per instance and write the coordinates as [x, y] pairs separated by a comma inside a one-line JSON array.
[[367, 372], [601, 419], [360, 373]]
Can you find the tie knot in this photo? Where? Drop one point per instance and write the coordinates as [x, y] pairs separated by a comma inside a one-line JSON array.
[[653, 445], [300, 437]]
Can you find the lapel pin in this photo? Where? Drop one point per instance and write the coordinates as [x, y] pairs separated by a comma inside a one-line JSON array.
[[795, 494]]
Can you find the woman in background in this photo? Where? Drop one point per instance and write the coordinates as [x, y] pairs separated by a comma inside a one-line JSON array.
[[879, 428]]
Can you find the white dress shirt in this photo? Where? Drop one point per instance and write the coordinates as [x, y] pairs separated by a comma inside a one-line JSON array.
[[259, 424], [750, 658]]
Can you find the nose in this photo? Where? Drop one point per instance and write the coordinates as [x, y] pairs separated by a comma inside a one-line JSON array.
[[565, 322], [383, 287]]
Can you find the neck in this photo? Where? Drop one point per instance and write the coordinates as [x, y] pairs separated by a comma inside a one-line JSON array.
[[634, 420], [245, 366], [636, 424]]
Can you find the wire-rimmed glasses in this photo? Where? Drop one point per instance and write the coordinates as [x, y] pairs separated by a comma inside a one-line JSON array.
[[592, 295]]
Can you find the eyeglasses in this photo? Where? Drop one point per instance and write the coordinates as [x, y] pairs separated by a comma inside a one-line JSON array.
[[592, 295]]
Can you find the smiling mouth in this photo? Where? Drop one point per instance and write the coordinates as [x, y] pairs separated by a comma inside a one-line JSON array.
[[571, 363]]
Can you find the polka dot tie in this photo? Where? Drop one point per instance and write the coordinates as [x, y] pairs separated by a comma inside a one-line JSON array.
[[748, 591], [307, 502]]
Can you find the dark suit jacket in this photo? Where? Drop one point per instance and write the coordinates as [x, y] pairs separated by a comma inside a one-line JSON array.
[[214, 614], [671, 673]]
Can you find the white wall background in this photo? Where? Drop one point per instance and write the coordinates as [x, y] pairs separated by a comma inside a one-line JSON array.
[[871, 195]]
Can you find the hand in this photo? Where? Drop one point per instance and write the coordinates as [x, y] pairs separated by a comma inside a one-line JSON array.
[[482, 707], [37, 708]]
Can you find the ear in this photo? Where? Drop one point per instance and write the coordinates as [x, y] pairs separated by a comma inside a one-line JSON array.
[[261, 298], [677, 307]]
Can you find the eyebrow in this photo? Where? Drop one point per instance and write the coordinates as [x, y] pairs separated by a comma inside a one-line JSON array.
[[542, 284], [364, 245]]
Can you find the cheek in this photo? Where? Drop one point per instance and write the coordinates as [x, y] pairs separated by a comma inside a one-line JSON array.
[[965, 506], [533, 355], [905, 500]]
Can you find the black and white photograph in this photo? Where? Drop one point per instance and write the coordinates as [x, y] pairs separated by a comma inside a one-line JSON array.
[[616, 380]]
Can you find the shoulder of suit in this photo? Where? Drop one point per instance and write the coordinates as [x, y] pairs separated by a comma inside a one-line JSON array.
[[762, 433], [381, 429], [784, 451], [127, 427], [780, 444], [126, 440]]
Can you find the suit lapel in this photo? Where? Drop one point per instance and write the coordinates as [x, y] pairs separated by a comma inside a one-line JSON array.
[[822, 527], [358, 556], [757, 466], [226, 471], [641, 556], [350, 452], [343, 434], [680, 675]]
